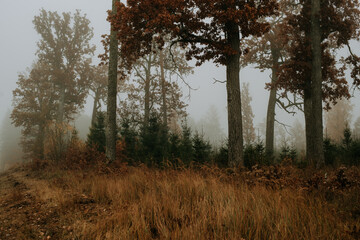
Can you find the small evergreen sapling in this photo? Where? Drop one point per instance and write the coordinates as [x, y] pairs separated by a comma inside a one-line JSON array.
[[186, 148], [202, 148], [96, 138]]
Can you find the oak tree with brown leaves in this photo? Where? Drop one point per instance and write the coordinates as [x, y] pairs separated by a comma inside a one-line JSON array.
[[34, 102], [65, 47], [211, 30], [311, 71]]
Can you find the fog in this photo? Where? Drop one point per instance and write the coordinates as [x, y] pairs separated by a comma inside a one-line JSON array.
[[18, 47]]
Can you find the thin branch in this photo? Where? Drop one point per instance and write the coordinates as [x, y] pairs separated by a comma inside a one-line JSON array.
[[177, 73], [351, 53], [188, 85], [284, 125], [218, 81], [291, 104], [282, 105], [138, 74]]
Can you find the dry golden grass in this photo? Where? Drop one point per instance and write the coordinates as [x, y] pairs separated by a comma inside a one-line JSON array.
[[186, 204], [143, 203]]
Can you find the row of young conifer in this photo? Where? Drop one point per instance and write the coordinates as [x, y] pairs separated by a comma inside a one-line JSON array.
[[155, 145]]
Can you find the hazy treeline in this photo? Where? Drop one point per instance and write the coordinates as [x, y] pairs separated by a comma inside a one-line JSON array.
[[146, 107], [11, 150]]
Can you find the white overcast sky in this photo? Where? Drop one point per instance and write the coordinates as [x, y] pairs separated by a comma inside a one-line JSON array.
[[18, 46]]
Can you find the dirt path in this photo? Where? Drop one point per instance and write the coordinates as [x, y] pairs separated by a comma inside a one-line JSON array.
[[23, 213], [36, 207]]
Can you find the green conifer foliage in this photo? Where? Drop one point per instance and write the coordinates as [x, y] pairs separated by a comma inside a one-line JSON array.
[[221, 155], [154, 141], [186, 148], [255, 154], [130, 136], [287, 153], [330, 152], [96, 137], [202, 149], [174, 146], [350, 149]]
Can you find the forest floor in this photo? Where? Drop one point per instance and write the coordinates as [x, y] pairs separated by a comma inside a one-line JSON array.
[[206, 203]]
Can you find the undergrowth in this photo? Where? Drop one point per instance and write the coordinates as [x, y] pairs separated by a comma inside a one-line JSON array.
[[206, 202]]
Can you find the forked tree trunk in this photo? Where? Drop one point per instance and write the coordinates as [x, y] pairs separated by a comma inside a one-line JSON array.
[[111, 129], [316, 76], [270, 116], [233, 97], [163, 88]]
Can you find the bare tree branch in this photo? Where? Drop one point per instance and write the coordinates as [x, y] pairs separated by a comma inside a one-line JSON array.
[[218, 81], [177, 73], [284, 125], [291, 103]]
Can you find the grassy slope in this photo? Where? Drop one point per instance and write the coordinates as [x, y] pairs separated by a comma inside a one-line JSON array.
[[141, 203]]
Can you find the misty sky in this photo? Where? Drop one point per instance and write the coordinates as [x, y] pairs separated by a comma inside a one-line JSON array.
[[18, 47]]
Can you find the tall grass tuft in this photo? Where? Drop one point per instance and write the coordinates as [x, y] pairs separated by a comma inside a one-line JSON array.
[[143, 203]]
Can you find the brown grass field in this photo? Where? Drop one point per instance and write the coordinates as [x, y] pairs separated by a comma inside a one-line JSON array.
[[202, 203]]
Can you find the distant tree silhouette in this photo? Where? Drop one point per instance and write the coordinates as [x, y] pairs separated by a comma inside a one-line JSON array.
[[337, 119], [65, 47], [10, 137], [357, 128], [34, 102], [247, 115]]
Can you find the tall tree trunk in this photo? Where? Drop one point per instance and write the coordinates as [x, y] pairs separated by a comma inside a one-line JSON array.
[[111, 129], [163, 88], [147, 90], [316, 76], [309, 126], [233, 97], [61, 105], [270, 117], [95, 108]]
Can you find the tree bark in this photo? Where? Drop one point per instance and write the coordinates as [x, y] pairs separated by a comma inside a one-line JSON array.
[[111, 128], [270, 117], [95, 108], [316, 76], [147, 90], [233, 97], [163, 88], [309, 126]]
